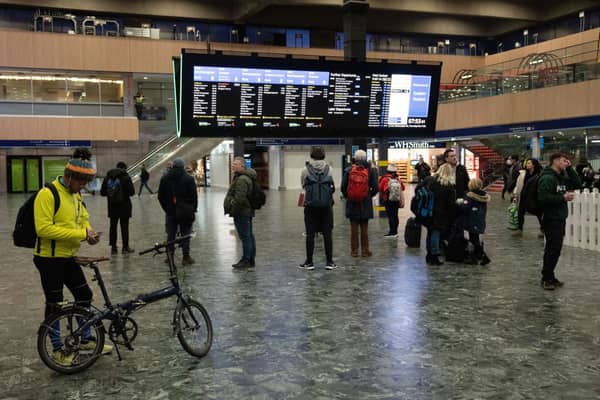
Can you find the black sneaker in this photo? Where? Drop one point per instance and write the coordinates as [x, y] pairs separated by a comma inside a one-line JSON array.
[[127, 250], [252, 263], [187, 260], [243, 263], [330, 265], [307, 266], [557, 283], [548, 285], [485, 260], [114, 250], [435, 260]]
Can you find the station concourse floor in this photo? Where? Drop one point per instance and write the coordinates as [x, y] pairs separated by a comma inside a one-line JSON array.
[[385, 327]]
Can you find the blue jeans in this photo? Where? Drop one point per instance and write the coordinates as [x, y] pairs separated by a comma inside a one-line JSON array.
[[184, 229], [243, 225], [433, 242]]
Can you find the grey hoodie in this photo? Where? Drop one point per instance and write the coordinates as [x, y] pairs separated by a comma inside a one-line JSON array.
[[318, 165]]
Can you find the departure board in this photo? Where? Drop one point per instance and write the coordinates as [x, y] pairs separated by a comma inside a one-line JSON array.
[[224, 95]]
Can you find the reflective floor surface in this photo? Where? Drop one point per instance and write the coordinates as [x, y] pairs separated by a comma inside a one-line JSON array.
[[386, 327]]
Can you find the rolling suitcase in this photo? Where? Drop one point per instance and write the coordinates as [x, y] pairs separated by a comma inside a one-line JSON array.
[[412, 233]]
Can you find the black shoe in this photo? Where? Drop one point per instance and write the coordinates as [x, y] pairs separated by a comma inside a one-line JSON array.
[[127, 250], [548, 284], [243, 263], [187, 260], [485, 260], [114, 250], [435, 260], [557, 283], [252, 263], [307, 265], [428, 259]]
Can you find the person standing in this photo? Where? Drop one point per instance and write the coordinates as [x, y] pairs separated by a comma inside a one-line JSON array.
[[237, 205], [513, 173], [118, 188], [59, 237], [444, 193], [459, 176], [472, 218], [423, 169], [532, 170], [144, 178], [359, 185], [555, 190], [178, 198], [391, 190], [317, 181]]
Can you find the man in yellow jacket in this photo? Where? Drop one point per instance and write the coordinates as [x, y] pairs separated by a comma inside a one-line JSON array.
[[59, 238]]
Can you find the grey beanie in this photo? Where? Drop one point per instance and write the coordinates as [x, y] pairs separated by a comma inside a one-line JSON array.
[[178, 163]]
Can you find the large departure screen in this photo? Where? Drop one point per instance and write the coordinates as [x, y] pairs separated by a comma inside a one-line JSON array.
[[231, 96]]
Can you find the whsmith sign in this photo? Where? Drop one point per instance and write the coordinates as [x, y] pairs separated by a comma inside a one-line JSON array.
[[414, 145]]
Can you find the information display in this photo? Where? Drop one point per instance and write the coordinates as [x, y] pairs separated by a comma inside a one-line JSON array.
[[225, 95]]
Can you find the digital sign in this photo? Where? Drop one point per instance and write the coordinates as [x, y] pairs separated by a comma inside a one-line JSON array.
[[283, 97]]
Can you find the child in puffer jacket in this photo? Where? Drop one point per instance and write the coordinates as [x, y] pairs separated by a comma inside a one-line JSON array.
[[473, 210]]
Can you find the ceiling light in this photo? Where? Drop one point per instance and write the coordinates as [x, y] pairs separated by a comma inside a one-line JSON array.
[[581, 14], [466, 76], [145, 78]]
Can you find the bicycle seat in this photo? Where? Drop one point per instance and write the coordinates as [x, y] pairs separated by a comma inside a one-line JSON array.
[[84, 261]]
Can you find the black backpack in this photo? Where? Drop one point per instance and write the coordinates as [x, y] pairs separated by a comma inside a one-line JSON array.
[[256, 196], [114, 191], [24, 234], [529, 195], [318, 188]]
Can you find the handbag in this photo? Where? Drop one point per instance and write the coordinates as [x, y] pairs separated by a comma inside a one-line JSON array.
[[301, 199], [513, 216]]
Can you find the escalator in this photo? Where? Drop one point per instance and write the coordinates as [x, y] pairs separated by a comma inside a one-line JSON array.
[[157, 160]]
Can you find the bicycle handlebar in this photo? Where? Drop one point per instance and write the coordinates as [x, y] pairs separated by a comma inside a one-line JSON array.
[[158, 246]]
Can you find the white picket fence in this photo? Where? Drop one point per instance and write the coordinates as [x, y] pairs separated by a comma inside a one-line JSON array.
[[583, 222]]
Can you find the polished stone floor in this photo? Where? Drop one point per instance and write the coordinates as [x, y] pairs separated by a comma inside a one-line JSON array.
[[387, 327]]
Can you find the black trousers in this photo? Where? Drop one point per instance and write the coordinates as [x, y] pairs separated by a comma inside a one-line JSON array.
[[58, 272], [521, 217], [391, 209], [114, 221], [318, 220], [476, 241], [554, 231]]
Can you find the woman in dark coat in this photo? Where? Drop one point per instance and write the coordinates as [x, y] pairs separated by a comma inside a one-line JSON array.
[[361, 212], [444, 211]]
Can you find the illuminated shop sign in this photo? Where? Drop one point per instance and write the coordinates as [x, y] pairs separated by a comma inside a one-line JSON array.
[[414, 145]]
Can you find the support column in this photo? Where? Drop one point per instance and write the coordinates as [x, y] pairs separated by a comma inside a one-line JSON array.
[[355, 49], [536, 151], [238, 146], [382, 163]]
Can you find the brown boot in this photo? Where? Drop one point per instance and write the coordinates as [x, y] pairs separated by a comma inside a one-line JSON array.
[[364, 239], [354, 238]]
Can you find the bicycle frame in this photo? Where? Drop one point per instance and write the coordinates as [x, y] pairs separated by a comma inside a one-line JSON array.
[[110, 311]]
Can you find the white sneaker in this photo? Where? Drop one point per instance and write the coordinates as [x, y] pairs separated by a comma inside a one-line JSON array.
[[390, 236]]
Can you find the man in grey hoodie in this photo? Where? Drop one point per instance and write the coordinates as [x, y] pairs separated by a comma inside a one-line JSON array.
[[317, 182]]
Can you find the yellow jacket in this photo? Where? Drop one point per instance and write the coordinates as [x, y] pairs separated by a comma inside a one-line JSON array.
[[70, 222]]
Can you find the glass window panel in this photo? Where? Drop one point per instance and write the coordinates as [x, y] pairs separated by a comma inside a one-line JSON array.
[[81, 91], [111, 92], [14, 89], [53, 89]]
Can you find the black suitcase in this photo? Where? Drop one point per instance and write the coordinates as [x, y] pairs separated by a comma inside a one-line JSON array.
[[412, 233]]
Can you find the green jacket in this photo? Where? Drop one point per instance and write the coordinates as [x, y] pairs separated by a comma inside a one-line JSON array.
[[68, 227], [551, 189], [236, 201]]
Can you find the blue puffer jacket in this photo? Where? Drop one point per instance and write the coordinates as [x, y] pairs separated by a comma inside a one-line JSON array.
[[473, 211]]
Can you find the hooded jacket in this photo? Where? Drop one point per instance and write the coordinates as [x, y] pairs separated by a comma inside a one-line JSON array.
[[551, 189], [473, 210], [176, 183], [236, 202], [123, 209]]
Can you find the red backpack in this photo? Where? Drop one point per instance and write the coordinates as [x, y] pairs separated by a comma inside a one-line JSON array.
[[358, 184]]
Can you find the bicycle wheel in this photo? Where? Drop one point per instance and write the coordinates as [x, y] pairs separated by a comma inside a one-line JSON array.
[[61, 345], [193, 326]]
